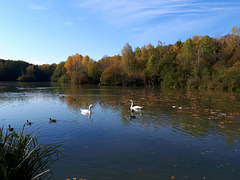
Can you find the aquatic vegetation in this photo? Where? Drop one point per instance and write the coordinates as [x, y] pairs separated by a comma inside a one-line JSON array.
[[23, 157]]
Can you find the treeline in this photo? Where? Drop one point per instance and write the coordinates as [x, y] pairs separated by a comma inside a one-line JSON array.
[[23, 71], [200, 62]]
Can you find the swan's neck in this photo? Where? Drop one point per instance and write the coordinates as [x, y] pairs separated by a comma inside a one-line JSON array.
[[132, 104], [89, 108]]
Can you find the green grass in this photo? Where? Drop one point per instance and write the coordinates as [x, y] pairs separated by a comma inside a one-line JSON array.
[[23, 158]]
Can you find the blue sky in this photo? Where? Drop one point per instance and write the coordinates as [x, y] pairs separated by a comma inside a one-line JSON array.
[[48, 31]]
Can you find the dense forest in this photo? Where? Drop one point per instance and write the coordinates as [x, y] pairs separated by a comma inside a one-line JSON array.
[[199, 62], [23, 71]]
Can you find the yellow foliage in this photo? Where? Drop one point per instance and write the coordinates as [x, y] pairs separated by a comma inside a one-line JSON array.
[[73, 64]]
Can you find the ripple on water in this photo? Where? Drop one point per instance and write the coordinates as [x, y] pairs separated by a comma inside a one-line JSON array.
[[165, 142]]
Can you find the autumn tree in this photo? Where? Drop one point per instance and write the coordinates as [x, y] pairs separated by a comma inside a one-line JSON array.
[[76, 68], [73, 64], [159, 50], [232, 47], [112, 76], [200, 61], [145, 57], [128, 59], [85, 61]]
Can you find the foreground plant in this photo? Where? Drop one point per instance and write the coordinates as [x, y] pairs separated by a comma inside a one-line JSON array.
[[22, 157]]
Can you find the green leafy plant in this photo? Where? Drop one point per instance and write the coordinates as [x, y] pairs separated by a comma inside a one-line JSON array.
[[22, 157]]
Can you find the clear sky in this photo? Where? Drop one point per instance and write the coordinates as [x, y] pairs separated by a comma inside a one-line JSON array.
[[48, 31]]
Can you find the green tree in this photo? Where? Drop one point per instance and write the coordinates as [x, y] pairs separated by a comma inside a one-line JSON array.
[[137, 52], [59, 72], [29, 76], [44, 72], [231, 77], [94, 72], [11, 70], [188, 50], [150, 73]]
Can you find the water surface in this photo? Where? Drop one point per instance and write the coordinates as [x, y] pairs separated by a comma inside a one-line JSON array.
[[182, 134]]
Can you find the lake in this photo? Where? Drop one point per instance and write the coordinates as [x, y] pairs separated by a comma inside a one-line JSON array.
[[182, 134]]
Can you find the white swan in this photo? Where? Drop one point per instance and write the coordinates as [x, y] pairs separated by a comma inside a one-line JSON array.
[[87, 111], [135, 108]]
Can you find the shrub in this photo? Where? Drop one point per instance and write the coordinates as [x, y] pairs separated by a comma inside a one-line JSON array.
[[22, 157]]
